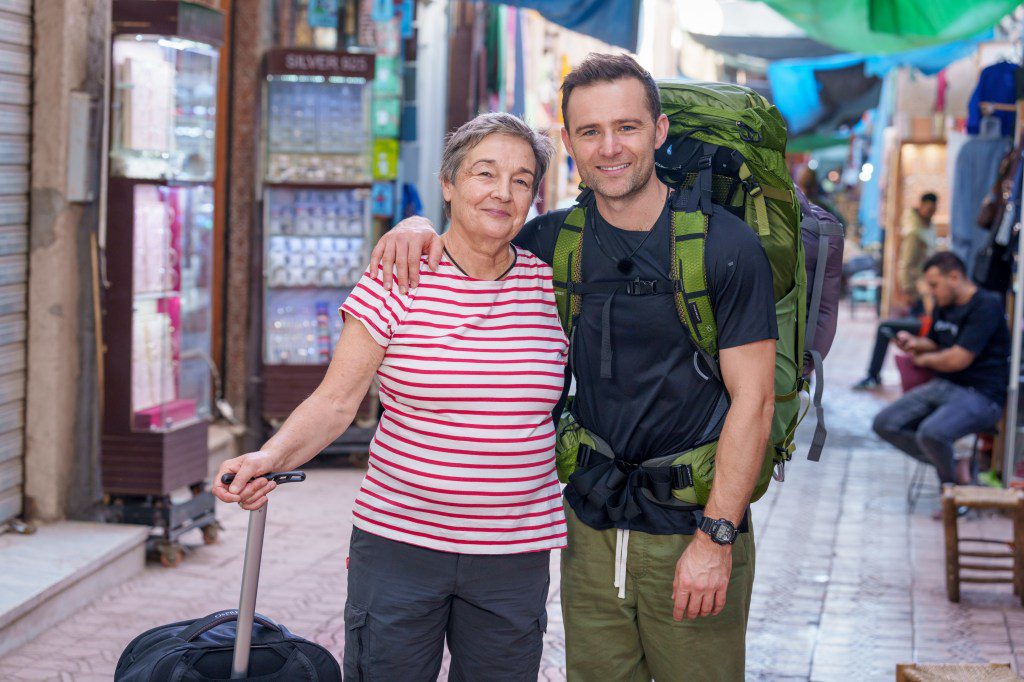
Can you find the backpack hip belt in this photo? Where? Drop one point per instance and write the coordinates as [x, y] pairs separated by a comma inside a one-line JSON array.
[[592, 469]]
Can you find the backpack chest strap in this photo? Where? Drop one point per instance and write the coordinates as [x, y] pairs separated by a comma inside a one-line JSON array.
[[633, 287]]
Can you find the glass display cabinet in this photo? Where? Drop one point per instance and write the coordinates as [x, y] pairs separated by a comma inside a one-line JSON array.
[[157, 318], [317, 220]]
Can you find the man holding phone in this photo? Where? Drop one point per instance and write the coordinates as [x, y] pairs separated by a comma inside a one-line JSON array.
[[967, 349]]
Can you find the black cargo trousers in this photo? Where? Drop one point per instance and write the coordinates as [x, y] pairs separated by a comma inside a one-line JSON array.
[[404, 601]]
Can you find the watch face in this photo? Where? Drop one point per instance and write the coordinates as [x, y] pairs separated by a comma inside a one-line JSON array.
[[722, 533]]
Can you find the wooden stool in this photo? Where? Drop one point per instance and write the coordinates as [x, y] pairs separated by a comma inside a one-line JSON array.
[[985, 672], [981, 497]]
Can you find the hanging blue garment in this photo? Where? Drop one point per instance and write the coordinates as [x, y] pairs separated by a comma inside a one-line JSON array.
[[973, 175], [997, 83], [869, 213]]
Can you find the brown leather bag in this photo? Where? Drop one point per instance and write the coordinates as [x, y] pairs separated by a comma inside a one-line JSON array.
[[992, 206]]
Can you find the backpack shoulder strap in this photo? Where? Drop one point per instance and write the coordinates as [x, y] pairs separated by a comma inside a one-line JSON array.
[[566, 263], [693, 297]]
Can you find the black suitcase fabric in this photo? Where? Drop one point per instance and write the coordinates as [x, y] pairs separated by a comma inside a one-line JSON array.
[[201, 650]]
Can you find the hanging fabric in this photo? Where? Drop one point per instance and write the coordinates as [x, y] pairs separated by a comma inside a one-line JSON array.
[[977, 165]]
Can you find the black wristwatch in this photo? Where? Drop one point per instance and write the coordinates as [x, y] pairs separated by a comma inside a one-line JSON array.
[[721, 531]]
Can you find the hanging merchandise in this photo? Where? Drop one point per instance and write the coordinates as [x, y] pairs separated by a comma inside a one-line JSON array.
[[977, 165], [993, 264], [322, 14], [407, 125], [411, 203], [385, 159], [407, 11], [995, 95], [388, 79], [386, 116], [382, 198], [383, 10], [389, 38]]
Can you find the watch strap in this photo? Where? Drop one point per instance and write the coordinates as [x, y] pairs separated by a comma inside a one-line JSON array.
[[708, 526]]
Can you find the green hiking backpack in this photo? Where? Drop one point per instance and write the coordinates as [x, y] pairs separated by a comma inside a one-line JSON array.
[[726, 145]]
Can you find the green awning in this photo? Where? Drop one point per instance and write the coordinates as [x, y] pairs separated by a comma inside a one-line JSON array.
[[884, 26]]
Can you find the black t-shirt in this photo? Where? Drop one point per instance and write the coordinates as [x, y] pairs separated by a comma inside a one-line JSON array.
[[659, 400], [978, 326]]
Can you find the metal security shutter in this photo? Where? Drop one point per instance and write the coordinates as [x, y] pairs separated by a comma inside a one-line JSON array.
[[15, 125]]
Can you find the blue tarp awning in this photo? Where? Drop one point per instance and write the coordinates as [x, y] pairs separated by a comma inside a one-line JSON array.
[[799, 86], [615, 22]]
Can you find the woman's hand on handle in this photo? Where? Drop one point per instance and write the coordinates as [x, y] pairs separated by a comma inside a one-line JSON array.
[[249, 488], [399, 251]]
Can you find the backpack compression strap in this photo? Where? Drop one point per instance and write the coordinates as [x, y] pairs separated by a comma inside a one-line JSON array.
[[824, 231], [566, 263], [693, 299], [756, 192]]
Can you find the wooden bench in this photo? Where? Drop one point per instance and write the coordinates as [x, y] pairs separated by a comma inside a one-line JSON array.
[[981, 497]]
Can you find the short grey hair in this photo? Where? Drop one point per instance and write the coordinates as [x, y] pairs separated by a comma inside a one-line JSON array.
[[467, 136]]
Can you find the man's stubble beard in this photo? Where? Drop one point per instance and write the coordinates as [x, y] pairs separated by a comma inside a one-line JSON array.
[[638, 179]]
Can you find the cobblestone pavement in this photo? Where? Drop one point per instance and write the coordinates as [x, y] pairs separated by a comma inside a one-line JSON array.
[[848, 583]]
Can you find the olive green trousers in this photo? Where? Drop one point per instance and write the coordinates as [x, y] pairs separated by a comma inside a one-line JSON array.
[[635, 639]]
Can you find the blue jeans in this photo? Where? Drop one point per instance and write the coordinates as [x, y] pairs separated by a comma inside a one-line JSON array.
[[926, 422]]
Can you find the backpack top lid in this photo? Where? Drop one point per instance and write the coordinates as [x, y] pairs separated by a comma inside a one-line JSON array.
[[733, 111]]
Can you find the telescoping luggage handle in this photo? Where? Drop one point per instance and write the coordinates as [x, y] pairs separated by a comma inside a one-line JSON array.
[[251, 573]]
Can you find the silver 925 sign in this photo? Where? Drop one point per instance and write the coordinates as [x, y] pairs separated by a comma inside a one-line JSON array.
[[321, 63]]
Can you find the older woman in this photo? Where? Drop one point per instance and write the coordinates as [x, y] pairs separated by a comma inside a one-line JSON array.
[[460, 507]]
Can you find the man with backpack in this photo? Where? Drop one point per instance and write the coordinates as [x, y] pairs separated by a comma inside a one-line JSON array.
[[669, 300]]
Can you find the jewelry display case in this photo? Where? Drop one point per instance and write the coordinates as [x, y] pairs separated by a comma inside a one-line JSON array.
[[317, 220], [157, 305]]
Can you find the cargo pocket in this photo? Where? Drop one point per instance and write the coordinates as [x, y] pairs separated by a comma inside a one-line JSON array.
[[356, 654]]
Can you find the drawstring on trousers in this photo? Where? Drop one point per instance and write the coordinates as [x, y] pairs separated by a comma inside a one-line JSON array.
[[621, 550]]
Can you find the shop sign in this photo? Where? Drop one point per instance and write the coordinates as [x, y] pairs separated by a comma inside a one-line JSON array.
[[320, 63]]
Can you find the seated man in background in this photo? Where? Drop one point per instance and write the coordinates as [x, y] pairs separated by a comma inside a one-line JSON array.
[[917, 243], [967, 349]]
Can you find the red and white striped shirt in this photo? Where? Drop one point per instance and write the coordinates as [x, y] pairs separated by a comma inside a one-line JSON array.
[[463, 458]]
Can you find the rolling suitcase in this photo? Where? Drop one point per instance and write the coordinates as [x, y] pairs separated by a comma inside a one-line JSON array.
[[231, 644]]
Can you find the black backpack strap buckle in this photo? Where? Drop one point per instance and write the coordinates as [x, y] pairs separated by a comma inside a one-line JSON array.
[[641, 287], [705, 161], [583, 456], [748, 134], [682, 476]]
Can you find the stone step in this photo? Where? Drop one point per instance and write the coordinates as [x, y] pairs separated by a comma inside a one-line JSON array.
[[50, 574]]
